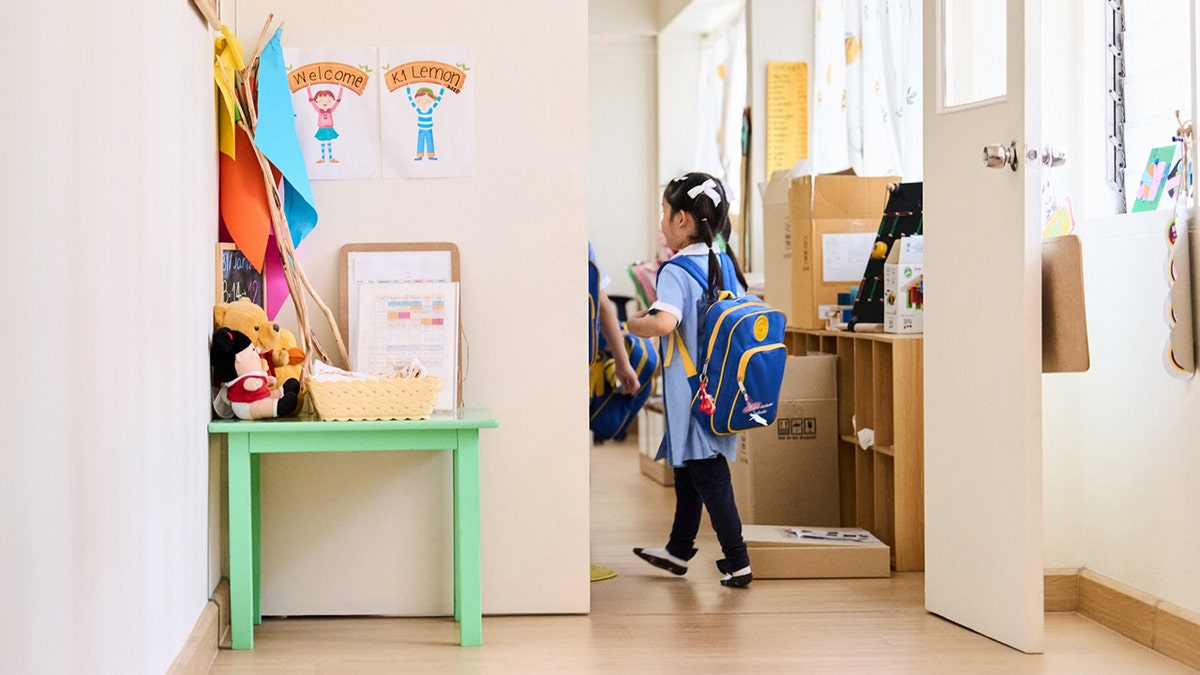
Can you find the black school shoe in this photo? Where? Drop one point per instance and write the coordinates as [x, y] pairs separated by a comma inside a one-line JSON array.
[[663, 563], [730, 580]]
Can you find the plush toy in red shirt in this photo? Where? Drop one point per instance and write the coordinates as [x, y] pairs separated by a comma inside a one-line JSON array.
[[245, 387]]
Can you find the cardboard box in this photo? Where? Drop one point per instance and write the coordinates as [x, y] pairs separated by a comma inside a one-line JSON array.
[[777, 244], [834, 220], [783, 552], [788, 472], [904, 287], [650, 433]]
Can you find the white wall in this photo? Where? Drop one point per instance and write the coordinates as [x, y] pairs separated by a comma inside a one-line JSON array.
[[371, 533], [109, 194], [779, 30], [1067, 123], [1138, 459], [623, 193], [678, 91]]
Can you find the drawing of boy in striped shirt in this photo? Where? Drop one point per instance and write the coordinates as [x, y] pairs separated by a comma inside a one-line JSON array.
[[424, 102]]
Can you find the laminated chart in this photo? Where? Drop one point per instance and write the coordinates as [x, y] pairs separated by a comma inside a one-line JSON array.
[[401, 321]]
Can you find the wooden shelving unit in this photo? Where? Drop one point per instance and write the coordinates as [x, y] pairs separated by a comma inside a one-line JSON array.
[[880, 387]]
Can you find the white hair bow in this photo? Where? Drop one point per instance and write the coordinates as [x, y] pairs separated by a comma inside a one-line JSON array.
[[708, 187]]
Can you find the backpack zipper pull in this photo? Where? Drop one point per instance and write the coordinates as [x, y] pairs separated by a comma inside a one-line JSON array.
[[706, 404]]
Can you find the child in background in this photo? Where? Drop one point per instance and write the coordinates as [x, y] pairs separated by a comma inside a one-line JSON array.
[[695, 215], [610, 328]]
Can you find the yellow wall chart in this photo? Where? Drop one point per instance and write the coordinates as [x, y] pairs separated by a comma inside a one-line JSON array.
[[787, 114]]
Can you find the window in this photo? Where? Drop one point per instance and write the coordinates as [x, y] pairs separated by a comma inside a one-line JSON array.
[[1114, 29], [1150, 79]]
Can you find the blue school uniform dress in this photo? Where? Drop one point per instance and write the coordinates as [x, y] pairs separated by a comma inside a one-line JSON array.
[[685, 438]]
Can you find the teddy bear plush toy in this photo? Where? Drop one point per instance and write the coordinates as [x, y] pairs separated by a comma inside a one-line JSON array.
[[245, 387], [277, 346]]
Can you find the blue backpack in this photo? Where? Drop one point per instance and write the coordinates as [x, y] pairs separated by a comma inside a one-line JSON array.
[[593, 312], [611, 410], [742, 357]]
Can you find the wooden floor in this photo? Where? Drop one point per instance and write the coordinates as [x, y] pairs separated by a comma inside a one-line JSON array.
[[648, 621]]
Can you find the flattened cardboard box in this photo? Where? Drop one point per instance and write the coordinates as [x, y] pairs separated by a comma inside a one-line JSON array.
[[788, 472], [834, 220], [779, 552]]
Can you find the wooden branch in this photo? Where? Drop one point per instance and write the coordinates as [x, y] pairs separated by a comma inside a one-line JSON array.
[[293, 273], [209, 12], [262, 40]]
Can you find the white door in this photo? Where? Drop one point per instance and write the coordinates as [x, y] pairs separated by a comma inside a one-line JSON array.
[[983, 382]]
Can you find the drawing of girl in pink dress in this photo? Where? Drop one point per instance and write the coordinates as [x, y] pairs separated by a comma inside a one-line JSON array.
[[324, 103]]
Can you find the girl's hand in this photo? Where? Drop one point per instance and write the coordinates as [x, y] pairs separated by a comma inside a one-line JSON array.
[[627, 378]]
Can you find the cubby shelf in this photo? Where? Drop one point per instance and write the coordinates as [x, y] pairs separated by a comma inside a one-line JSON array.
[[880, 387]]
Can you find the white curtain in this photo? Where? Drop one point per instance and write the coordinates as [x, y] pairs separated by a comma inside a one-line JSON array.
[[720, 103], [867, 88]]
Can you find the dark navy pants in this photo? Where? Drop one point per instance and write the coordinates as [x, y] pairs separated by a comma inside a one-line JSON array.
[[706, 483]]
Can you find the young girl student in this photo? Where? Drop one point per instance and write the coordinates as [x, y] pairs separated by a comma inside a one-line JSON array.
[[695, 220]]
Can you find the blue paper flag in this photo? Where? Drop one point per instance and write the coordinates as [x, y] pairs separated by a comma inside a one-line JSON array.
[[275, 135]]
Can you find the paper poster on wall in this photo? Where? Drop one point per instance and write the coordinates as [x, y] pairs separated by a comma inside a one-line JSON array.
[[844, 256], [427, 110], [787, 114], [1154, 177], [335, 94]]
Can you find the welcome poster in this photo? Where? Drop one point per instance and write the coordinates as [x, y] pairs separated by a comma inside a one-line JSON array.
[[335, 95], [427, 111]]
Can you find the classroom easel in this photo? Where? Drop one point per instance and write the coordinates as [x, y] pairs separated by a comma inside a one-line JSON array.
[[902, 217]]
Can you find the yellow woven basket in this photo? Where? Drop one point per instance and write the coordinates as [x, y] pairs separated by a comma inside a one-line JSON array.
[[389, 398]]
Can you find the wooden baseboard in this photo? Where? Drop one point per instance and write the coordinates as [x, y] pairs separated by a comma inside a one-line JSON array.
[[1161, 626], [1061, 590], [211, 629], [1177, 634]]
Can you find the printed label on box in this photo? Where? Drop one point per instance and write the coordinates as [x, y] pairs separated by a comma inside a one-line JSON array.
[[796, 428]]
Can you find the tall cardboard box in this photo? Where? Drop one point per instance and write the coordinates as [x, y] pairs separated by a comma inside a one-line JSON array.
[[788, 472], [777, 244], [904, 287], [834, 220]]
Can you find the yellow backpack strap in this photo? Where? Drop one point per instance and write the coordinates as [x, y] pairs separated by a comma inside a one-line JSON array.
[[688, 366], [596, 377]]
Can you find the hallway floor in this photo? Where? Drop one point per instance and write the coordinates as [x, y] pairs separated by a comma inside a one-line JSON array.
[[649, 621]]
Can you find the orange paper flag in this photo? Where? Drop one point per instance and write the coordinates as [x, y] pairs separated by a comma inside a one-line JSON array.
[[244, 201]]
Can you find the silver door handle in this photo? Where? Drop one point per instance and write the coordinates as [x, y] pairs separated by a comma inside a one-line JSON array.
[[1051, 155], [999, 156]]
